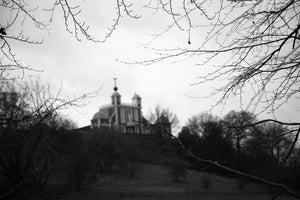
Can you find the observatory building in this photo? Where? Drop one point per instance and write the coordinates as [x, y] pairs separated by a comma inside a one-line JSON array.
[[127, 117]]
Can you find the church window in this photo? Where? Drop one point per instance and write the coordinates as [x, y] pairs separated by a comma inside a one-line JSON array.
[[122, 112], [128, 114]]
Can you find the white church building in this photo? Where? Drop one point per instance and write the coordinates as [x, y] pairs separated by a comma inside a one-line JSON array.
[[122, 117]]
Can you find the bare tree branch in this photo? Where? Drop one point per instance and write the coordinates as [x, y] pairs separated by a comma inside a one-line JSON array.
[[283, 187]]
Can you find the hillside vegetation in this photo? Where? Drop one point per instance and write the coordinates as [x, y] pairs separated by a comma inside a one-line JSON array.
[[155, 182]]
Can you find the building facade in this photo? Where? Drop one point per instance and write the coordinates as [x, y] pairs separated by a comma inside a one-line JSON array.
[[122, 117], [127, 117]]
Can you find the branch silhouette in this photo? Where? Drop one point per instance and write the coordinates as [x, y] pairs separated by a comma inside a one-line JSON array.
[[283, 187]]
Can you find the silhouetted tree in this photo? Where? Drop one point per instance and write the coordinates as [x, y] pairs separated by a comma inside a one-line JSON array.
[[27, 111], [257, 41], [237, 127], [208, 138], [164, 114], [270, 139], [196, 123], [39, 16], [216, 143], [189, 140]]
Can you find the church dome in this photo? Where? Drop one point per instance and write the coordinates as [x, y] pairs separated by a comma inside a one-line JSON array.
[[96, 115], [136, 96], [101, 114]]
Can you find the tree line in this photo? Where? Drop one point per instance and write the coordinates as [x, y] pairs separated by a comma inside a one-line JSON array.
[[234, 141]]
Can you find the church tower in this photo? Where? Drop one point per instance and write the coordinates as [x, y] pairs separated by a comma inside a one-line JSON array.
[[116, 102], [116, 97], [137, 100]]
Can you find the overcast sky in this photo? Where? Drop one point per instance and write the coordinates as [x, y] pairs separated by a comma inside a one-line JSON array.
[[82, 67]]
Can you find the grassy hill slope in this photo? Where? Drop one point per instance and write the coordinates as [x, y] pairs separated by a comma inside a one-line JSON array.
[[154, 182]]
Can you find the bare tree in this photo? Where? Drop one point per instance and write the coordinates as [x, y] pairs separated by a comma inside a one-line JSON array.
[[159, 112], [211, 141], [257, 41], [27, 111], [16, 14], [237, 127], [271, 140], [196, 123]]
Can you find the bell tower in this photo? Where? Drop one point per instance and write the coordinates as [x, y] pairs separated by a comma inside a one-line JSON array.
[[137, 100], [116, 97]]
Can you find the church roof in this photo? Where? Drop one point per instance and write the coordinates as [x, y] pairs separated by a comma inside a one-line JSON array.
[[136, 96], [101, 114]]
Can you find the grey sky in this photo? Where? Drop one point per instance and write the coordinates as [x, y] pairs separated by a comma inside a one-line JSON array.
[[84, 66]]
